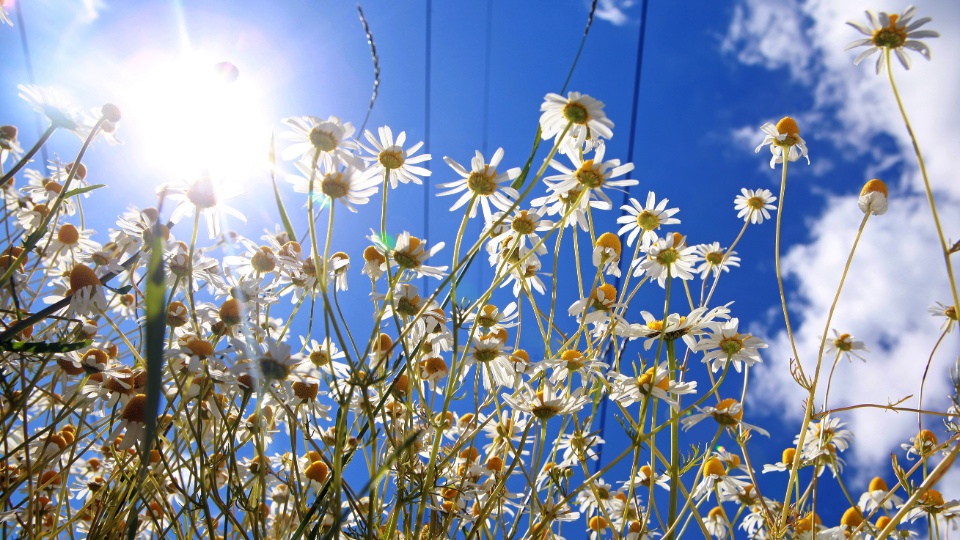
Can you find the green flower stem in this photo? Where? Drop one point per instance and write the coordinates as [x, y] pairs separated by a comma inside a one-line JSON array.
[[812, 383], [926, 182]]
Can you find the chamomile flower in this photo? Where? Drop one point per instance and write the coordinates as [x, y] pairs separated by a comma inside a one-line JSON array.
[[606, 254], [207, 196], [728, 413], [873, 498], [483, 182], [716, 476], [522, 227], [726, 344], [783, 137], [654, 382], [409, 253], [949, 313], [666, 258], [547, 402], [388, 155], [329, 139], [645, 220], [714, 260], [56, 107], [581, 112], [922, 444], [9, 145], [591, 175], [597, 306], [845, 346], [754, 205], [873, 197], [890, 31], [348, 185]]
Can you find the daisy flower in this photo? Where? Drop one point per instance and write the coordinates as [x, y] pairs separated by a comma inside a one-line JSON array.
[[727, 344], [922, 444], [846, 346], [55, 106], [873, 497], [754, 205], [784, 136], [482, 181], [645, 220], [715, 476], [889, 31], [546, 403], [729, 413], [348, 185], [606, 254], [592, 175], [873, 197], [947, 312], [715, 260], [331, 137], [667, 257], [85, 292], [654, 382], [389, 156], [374, 263], [410, 253], [581, 112], [133, 422], [204, 195], [521, 227], [716, 523], [600, 303], [932, 504]]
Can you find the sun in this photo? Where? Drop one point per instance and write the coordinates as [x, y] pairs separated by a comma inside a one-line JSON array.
[[196, 114]]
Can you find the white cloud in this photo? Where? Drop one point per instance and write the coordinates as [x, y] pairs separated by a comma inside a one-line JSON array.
[[614, 11], [898, 269]]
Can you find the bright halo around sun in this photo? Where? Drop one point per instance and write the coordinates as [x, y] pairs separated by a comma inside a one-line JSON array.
[[197, 114]]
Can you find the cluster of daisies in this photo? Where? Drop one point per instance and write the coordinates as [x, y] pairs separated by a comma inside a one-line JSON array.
[[276, 411]]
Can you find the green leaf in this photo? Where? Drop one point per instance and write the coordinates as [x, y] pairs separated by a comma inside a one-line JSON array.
[[276, 191], [81, 190]]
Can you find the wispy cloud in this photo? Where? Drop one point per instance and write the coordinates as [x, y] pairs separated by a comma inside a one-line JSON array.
[[614, 11], [898, 269]]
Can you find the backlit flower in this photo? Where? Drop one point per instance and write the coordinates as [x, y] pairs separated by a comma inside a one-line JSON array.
[[845, 346], [754, 205], [726, 344], [483, 182], [592, 175], [388, 154], [645, 220], [894, 32], [783, 137], [581, 112], [667, 258], [715, 260]]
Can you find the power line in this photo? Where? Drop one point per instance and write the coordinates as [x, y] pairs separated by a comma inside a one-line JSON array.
[[633, 133]]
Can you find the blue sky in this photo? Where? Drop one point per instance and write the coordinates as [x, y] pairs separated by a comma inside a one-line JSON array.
[[713, 72]]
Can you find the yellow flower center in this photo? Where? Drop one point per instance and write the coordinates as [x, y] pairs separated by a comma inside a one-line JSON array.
[[202, 194], [371, 253], [714, 467], [482, 183], [134, 409], [68, 235], [487, 316], [788, 126], [523, 224], [852, 518], [574, 359], [576, 113], [877, 484], [589, 175], [434, 365], [306, 391], [407, 258], [645, 381], [874, 186], [714, 257], [610, 241], [82, 276], [722, 413], [648, 220], [890, 37], [334, 186], [391, 159], [668, 256], [731, 345], [317, 471], [325, 141], [609, 297]]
